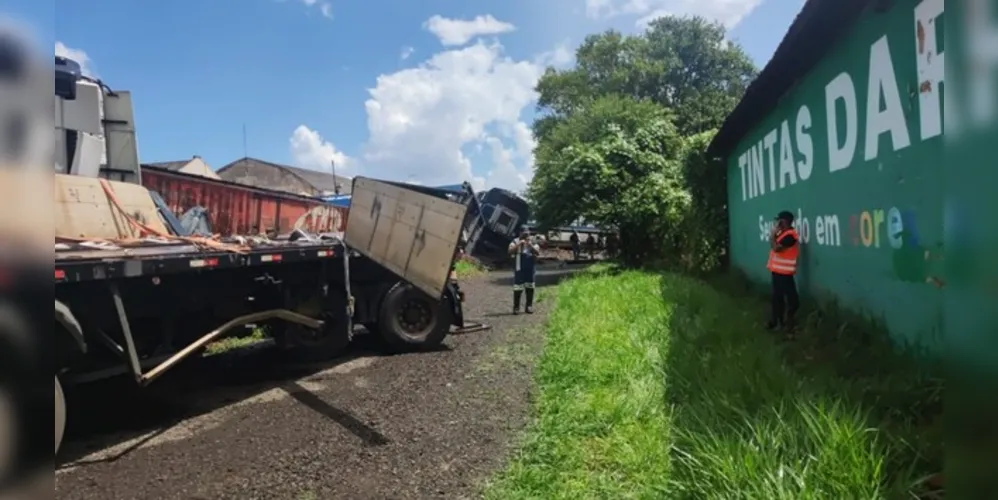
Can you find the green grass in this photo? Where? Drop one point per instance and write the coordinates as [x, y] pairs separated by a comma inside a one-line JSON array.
[[661, 386], [467, 268], [601, 429], [230, 343]]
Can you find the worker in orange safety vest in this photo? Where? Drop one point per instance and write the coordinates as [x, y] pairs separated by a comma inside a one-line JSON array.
[[784, 249]]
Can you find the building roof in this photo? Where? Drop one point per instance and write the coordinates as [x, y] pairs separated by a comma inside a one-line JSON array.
[[200, 179], [815, 30], [173, 166], [320, 181]]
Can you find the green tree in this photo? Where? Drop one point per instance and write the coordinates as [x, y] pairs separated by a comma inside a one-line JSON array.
[[682, 63], [705, 228], [611, 145], [615, 163], [704, 75]]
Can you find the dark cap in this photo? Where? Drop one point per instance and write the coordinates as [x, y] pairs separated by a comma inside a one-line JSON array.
[[785, 215]]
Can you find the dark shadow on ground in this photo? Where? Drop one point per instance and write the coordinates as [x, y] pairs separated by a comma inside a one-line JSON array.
[[370, 436], [109, 412], [843, 362], [546, 276]]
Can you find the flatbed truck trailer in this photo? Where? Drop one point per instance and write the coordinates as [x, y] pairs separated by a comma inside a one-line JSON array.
[[141, 307], [136, 293]]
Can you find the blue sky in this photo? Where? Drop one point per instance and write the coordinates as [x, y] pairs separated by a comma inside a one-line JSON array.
[[315, 79]]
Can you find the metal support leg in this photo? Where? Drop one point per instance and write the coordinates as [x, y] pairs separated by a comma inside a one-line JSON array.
[[197, 345], [126, 332]]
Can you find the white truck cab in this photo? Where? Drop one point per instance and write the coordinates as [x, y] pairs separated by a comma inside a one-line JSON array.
[[95, 130]]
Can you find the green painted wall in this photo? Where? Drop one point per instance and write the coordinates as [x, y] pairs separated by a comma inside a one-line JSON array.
[[869, 184]]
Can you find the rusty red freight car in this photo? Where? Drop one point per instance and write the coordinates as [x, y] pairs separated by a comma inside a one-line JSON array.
[[240, 209]]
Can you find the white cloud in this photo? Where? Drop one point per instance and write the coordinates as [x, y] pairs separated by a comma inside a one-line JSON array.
[[324, 8], [309, 150], [77, 55], [506, 172], [453, 32], [421, 120], [406, 53], [560, 57], [431, 122], [728, 12]]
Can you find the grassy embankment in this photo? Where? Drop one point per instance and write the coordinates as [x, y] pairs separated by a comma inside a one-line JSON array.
[[660, 386], [467, 268]]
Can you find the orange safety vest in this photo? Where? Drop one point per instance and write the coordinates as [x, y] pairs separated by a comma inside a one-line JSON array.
[[785, 262]]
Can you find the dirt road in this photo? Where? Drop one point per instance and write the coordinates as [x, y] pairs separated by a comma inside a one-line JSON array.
[[424, 425]]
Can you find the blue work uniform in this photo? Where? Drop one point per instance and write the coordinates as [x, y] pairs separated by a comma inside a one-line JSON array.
[[524, 272]]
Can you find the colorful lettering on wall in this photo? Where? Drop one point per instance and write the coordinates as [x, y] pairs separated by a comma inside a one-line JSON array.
[[872, 228], [893, 229], [784, 156]]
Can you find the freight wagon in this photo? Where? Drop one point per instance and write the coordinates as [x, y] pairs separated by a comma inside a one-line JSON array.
[[239, 209]]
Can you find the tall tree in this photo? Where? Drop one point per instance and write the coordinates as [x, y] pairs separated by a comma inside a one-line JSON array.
[[611, 135], [616, 163], [704, 74], [682, 63]]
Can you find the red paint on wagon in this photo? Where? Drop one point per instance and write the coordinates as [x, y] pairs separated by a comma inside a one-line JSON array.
[[238, 209]]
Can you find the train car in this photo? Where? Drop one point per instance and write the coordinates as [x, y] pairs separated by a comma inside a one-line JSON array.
[[239, 209]]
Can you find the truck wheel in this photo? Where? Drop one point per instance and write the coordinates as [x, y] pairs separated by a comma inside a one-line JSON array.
[[410, 319], [60, 414], [309, 346]]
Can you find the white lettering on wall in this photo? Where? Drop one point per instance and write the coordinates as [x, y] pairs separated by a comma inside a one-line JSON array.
[[803, 227], [826, 230], [788, 172], [787, 152], [804, 144], [883, 85], [929, 65], [758, 181], [841, 151], [767, 143], [741, 167], [764, 228]]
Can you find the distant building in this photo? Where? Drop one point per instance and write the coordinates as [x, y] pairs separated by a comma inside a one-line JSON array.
[[194, 166], [265, 174]]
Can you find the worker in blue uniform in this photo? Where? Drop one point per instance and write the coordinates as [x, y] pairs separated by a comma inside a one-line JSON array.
[[524, 251]]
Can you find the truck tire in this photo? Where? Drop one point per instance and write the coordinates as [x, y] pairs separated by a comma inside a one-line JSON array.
[[60, 414], [410, 319], [306, 345]]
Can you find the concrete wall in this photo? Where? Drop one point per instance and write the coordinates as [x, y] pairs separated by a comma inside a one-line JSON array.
[[855, 149]]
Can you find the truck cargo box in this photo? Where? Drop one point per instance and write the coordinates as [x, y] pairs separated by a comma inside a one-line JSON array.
[[415, 235], [238, 209]]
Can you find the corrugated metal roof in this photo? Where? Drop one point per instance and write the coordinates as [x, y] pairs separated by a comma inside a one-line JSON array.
[[320, 181], [173, 166], [815, 30]]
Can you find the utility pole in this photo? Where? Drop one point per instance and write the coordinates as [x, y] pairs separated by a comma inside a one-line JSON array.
[[336, 180]]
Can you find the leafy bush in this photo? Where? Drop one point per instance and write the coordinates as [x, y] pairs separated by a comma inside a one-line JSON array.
[[705, 229]]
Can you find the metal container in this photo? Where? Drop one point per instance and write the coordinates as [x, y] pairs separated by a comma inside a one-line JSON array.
[[239, 209]]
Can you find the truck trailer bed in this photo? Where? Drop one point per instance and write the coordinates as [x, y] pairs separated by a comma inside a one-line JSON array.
[[76, 263]]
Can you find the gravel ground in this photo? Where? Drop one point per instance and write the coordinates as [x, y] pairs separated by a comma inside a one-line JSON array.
[[422, 425]]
